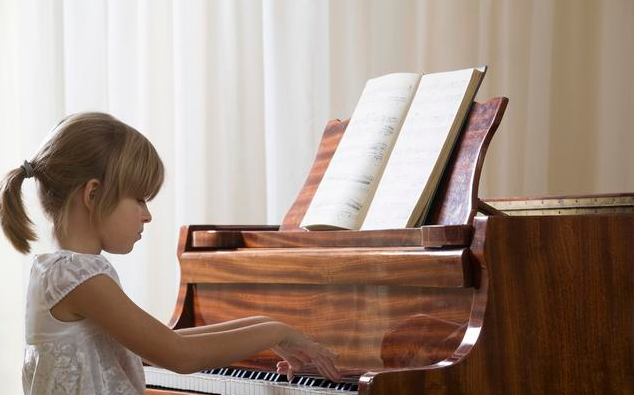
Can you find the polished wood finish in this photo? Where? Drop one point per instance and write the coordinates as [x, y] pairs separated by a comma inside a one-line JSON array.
[[550, 311], [559, 295], [408, 266], [456, 199], [217, 237]]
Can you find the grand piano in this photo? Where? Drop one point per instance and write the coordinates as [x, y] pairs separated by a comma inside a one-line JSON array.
[[508, 296]]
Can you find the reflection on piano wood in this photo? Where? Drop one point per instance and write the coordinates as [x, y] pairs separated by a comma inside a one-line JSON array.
[[497, 304], [244, 381]]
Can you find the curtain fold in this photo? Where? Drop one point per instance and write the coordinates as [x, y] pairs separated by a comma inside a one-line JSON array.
[[235, 95]]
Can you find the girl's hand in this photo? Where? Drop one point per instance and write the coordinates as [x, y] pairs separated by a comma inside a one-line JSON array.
[[297, 350]]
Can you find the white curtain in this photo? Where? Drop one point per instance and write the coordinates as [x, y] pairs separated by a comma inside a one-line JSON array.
[[235, 94]]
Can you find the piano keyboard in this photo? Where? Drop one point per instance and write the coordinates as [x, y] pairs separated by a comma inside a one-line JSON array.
[[235, 381]]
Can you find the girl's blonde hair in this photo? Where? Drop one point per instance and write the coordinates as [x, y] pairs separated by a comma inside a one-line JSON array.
[[82, 147]]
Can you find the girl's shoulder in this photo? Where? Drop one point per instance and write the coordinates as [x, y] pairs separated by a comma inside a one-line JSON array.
[[60, 272], [51, 259]]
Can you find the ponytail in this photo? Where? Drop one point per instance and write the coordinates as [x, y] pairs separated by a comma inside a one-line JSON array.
[[16, 225]]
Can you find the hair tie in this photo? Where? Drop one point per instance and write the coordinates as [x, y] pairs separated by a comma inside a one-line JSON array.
[[28, 169]]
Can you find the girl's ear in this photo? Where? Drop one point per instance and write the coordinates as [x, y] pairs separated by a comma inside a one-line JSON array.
[[88, 195]]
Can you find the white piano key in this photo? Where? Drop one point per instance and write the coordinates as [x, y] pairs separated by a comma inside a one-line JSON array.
[[197, 384], [236, 386], [231, 390], [208, 387], [173, 381]]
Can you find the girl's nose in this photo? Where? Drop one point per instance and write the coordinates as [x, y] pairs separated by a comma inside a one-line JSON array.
[[147, 216]]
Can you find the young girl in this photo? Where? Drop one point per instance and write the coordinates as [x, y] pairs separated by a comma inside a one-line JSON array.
[[83, 334]]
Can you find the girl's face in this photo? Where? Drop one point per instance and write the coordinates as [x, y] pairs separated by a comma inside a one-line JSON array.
[[124, 226]]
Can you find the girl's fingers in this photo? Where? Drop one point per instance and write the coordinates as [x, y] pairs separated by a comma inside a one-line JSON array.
[[311, 352], [327, 367], [284, 367], [294, 363]]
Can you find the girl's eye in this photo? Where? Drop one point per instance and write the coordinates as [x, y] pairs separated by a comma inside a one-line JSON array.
[[141, 201]]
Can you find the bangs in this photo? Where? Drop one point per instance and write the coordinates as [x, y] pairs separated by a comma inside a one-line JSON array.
[[141, 174]]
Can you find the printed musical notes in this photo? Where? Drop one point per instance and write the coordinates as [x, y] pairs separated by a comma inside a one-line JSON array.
[[362, 151], [421, 151], [389, 160]]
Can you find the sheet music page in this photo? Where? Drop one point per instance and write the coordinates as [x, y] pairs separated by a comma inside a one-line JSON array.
[[362, 152], [422, 149]]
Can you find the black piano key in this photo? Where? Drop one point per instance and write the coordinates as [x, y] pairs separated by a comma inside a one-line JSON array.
[[316, 382]]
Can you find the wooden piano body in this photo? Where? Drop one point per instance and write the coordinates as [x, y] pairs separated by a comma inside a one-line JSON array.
[[466, 304]]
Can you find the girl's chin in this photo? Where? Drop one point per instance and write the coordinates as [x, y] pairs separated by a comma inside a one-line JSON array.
[[119, 250]]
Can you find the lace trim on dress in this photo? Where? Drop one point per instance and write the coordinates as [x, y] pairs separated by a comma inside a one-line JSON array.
[[89, 365]]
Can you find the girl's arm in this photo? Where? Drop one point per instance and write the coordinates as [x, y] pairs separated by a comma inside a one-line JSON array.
[[223, 326], [102, 301]]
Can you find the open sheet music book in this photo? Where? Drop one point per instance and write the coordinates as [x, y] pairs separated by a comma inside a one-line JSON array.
[[389, 161]]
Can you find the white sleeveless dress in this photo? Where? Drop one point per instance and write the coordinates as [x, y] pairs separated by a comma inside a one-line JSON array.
[[72, 357]]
